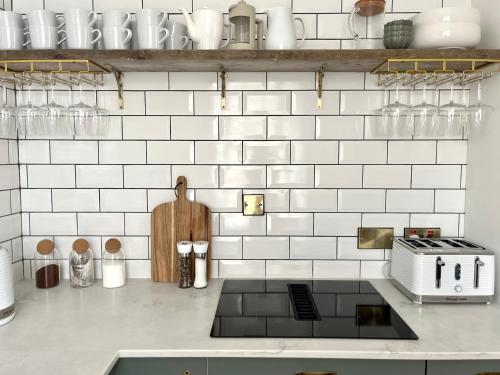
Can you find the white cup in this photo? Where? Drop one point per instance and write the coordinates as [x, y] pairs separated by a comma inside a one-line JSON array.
[[12, 37], [152, 37], [45, 37], [150, 17], [11, 19], [116, 18], [82, 36], [116, 37], [80, 17], [42, 17]]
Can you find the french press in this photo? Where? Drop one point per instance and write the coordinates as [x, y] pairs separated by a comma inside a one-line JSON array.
[[246, 27]]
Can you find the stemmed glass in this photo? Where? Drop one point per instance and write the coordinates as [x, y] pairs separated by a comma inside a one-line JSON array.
[[101, 120], [28, 121], [451, 117], [83, 115], [393, 114], [477, 113], [55, 117], [424, 116], [7, 116]]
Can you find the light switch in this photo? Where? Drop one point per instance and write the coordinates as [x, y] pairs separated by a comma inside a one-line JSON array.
[[253, 204]]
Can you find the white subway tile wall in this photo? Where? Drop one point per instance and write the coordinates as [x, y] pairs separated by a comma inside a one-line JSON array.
[[10, 195], [324, 173]]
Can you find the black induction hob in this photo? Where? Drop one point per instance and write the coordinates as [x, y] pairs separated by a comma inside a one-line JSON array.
[[306, 309]]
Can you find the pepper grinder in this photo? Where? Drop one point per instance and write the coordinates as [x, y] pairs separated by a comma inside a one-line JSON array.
[[184, 249], [200, 264]]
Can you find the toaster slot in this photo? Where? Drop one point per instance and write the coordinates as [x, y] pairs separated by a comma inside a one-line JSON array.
[[451, 243], [467, 243], [439, 265], [478, 263]]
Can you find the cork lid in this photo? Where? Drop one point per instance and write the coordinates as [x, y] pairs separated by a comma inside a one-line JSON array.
[[45, 247], [113, 245], [81, 245]]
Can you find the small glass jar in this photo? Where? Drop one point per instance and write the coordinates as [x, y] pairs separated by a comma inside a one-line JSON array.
[[81, 264], [113, 265], [47, 269], [184, 249]]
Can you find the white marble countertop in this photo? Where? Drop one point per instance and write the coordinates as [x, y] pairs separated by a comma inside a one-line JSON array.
[[84, 331]]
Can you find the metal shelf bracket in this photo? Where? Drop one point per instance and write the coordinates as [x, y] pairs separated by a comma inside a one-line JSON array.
[[319, 78], [223, 76], [119, 83]]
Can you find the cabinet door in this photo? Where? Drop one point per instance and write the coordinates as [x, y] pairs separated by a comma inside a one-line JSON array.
[[240, 366], [160, 366], [463, 367]]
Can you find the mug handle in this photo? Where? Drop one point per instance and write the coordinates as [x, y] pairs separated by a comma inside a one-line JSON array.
[[229, 37], [303, 37], [62, 40], [93, 18], [162, 40], [128, 36], [128, 18], [28, 39], [98, 37], [63, 23], [186, 42], [164, 16]]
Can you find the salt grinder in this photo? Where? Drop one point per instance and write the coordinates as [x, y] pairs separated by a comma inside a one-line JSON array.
[[200, 264]]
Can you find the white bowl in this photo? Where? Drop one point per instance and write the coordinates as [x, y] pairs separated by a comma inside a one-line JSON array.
[[447, 35], [448, 15]]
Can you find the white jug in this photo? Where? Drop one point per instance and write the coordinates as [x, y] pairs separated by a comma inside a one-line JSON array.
[[205, 28], [281, 33]]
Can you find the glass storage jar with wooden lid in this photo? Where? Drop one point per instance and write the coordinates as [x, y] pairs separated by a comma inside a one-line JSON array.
[[81, 264], [113, 264], [47, 269]]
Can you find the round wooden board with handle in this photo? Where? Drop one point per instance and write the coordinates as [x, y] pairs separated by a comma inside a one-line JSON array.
[[181, 220]]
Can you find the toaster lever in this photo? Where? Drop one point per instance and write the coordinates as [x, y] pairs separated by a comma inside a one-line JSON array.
[[477, 264], [439, 265]]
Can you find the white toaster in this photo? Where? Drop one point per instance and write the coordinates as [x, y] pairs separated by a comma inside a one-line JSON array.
[[445, 270]]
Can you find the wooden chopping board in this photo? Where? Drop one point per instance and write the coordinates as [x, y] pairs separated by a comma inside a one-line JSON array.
[[181, 220]]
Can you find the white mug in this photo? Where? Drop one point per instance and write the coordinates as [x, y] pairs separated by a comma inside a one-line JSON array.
[[116, 18], [116, 37], [150, 17], [12, 37], [45, 37], [43, 17], [82, 36], [11, 19], [150, 37], [80, 17]]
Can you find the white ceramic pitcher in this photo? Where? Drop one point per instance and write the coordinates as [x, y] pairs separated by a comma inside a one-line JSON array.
[[206, 27], [281, 33]]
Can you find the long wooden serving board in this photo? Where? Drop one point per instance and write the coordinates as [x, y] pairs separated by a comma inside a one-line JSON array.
[[181, 220]]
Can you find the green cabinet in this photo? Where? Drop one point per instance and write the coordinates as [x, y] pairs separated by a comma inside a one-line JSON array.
[[160, 366], [463, 367], [242, 366]]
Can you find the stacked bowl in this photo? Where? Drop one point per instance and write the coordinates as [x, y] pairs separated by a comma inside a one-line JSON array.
[[452, 27], [398, 34]]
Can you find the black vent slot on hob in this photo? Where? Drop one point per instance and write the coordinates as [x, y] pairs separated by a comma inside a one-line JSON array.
[[303, 304]]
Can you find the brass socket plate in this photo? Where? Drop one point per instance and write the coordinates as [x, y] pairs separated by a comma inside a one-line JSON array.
[[375, 238], [423, 232], [253, 204]]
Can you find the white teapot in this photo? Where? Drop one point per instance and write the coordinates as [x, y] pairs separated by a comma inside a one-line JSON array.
[[205, 28]]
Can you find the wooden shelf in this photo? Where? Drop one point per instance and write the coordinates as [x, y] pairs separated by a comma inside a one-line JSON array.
[[250, 61]]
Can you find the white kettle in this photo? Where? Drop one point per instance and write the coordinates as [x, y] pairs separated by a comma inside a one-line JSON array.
[[205, 28], [7, 311], [281, 33]]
